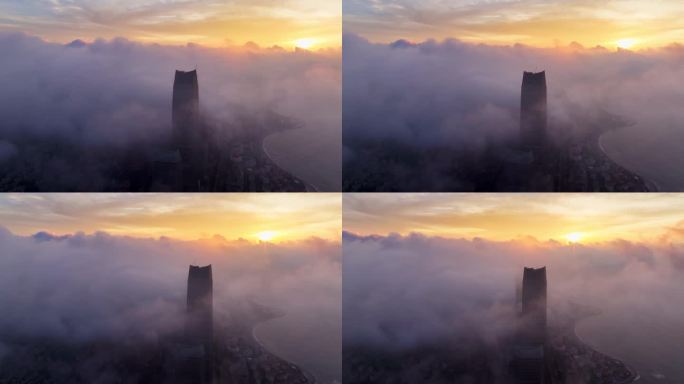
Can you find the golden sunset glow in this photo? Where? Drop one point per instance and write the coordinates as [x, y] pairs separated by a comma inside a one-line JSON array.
[[212, 23], [626, 43], [232, 216], [564, 218], [266, 235], [305, 43], [574, 237], [611, 24]]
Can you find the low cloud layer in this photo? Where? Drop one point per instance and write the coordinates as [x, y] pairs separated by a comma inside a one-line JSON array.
[[212, 22], [119, 91], [94, 101], [100, 287], [408, 291], [538, 22], [466, 96]]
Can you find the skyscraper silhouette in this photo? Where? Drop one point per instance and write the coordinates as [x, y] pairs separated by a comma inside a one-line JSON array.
[[533, 118], [185, 107], [529, 353], [534, 304], [190, 136], [200, 324]]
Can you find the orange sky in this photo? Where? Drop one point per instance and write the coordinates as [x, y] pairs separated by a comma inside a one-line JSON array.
[[562, 217], [545, 23], [258, 216], [308, 24]]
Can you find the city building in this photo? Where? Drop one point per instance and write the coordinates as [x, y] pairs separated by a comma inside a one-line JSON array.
[[529, 354], [533, 115], [534, 304], [185, 107], [200, 325]]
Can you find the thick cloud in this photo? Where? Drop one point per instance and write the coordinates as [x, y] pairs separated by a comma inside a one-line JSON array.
[[407, 291], [101, 287], [464, 96], [118, 90], [94, 101]]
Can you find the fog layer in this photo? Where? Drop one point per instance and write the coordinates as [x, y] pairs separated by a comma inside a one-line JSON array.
[[100, 287], [114, 94], [402, 292], [458, 95]]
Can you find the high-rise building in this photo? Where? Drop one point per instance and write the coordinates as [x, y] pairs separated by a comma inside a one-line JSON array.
[[533, 117], [190, 359], [534, 304], [190, 135], [200, 324], [529, 355], [185, 107]]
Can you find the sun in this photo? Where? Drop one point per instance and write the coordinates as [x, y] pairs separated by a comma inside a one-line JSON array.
[[266, 235], [625, 43], [305, 43], [574, 237]]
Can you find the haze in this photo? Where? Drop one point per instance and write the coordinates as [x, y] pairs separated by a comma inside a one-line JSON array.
[[81, 110], [287, 217], [293, 23], [450, 281], [612, 24], [505, 216], [122, 292], [453, 97]]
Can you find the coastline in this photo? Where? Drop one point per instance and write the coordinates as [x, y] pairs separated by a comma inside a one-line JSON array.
[[635, 374], [309, 187], [650, 184], [306, 373]]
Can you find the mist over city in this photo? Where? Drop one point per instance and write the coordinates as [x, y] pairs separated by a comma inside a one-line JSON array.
[[436, 97], [445, 307], [97, 307], [97, 112]]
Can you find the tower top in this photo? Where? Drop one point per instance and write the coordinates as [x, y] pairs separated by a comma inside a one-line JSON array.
[[198, 272], [534, 77], [187, 73], [537, 275], [186, 77]]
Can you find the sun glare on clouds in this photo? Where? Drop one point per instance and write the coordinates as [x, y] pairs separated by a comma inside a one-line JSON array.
[[625, 43], [305, 43], [266, 235], [574, 237]]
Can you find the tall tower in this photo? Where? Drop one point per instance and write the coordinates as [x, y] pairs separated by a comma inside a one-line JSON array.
[[534, 305], [200, 324], [533, 119], [185, 108]]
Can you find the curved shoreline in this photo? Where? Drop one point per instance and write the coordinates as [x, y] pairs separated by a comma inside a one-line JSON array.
[[650, 184], [306, 373], [309, 187], [634, 372]]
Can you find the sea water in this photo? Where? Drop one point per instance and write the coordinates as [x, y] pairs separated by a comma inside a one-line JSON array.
[[651, 344], [313, 155], [654, 153], [314, 344]]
